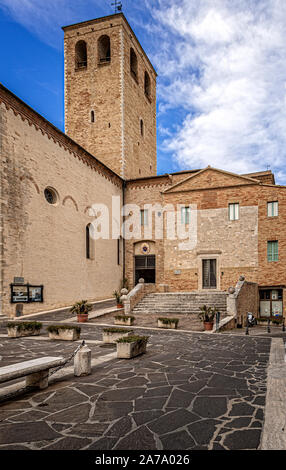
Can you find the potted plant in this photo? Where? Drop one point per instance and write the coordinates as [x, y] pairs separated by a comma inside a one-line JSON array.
[[168, 323], [131, 346], [124, 320], [207, 315], [81, 309], [117, 295], [64, 332], [18, 329], [111, 335]]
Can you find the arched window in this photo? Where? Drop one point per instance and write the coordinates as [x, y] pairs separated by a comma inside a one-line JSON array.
[[142, 127], [133, 64], [89, 241], [80, 55], [92, 116], [147, 85], [104, 51]]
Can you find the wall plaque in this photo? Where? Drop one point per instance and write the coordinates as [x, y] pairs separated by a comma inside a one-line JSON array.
[[26, 293]]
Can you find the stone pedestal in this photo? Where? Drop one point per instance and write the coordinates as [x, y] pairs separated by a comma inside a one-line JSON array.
[[38, 380], [82, 362]]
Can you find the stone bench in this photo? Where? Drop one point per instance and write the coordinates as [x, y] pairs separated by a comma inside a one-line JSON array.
[[36, 371]]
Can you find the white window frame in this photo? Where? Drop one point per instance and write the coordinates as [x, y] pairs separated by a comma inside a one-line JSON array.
[[144, 217], [185, 215], [233, 211], [272, 209]]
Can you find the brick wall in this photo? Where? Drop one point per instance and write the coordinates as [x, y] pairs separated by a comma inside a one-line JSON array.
[[240, 246], [117, 99], [247, 301]]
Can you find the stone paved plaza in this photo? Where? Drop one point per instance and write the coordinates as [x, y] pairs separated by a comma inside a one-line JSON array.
[[189, 391]]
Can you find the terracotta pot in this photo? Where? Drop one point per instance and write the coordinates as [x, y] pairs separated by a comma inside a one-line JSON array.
[[208, 325], [119, 305], [82, 317]]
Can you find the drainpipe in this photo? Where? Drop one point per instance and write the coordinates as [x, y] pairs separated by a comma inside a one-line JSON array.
[[123, 233]]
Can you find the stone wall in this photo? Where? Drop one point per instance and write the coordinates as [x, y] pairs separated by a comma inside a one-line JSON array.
[[46, 243]]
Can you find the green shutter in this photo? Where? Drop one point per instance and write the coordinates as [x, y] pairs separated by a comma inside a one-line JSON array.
[[272, 251], [185, 215]]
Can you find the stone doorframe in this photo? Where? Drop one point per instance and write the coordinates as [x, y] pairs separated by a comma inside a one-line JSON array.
[[205, 254]]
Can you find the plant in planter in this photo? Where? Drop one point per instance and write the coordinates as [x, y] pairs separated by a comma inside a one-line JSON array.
[[111, 335], [124, 320], [64, 332], [117, 295], [18, 329], [81, 309], [207, 315], [131, 346], [168, 323]]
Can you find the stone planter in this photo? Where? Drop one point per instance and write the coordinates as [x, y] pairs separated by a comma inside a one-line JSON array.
[[17, 330], [126, 320], [170, 323], [111, 335], [131, 347], [64, 333]]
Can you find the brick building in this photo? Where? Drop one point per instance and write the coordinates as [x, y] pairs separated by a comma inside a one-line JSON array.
[[50, 180]]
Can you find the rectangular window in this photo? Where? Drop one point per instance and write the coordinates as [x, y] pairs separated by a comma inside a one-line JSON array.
[[233, 211], [272, 209], [272, 251], [185, 215], [144, 217]]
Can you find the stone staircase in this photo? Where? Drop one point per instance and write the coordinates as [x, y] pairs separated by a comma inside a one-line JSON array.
[[181, 303]]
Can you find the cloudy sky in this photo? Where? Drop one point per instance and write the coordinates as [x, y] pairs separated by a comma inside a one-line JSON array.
[[221, 66]]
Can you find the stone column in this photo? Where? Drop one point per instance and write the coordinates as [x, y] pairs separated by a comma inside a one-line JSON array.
[[82, 362]]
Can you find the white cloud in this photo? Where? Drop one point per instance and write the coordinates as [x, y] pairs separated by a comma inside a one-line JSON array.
[[221, 66], [231, 79]]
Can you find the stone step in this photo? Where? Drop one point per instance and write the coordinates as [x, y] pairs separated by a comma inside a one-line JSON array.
[[186, 305], [181, 303], [187, 309]]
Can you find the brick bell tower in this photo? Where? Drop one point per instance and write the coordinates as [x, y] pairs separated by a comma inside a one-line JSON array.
[[110, 95]]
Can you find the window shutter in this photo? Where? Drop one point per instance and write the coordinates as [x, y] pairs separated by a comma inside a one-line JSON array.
[[272, 251]]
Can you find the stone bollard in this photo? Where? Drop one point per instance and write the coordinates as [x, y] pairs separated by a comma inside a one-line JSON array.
[[82, 362]]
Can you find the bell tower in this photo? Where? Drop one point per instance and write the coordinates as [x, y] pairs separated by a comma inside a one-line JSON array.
[[110, 95]]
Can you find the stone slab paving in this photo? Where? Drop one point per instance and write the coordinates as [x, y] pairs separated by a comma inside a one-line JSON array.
[[13, 350], [274, 429], [189, 391]]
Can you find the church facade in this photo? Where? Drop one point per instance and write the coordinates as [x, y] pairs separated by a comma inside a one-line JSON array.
[[195, 230]]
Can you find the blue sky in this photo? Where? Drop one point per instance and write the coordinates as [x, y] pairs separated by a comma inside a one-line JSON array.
[[221, 73]]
